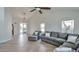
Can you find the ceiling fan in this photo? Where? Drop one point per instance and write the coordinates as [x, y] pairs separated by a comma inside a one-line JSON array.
[[39, 9]]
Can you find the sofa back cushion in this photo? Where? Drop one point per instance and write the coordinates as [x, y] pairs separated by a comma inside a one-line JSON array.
[[54, 34], [36, 33], [62, 35], [72, 38]]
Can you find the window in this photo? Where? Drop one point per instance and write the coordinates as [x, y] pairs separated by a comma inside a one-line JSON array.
[[68, 26], [42, 25]]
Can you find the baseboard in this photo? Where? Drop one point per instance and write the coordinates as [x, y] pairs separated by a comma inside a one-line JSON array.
[[4, 41]]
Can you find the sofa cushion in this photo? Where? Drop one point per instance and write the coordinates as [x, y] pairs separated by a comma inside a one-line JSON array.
[[54, 34], [72, 38], [44, 37], [68, 44], [60, 39], [57, 39], [42, 34], [62, 35]]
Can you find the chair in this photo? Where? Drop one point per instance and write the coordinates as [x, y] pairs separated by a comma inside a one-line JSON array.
[[34, 36]]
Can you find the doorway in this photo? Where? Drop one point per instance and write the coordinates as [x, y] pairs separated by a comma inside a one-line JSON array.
[[23, 28]]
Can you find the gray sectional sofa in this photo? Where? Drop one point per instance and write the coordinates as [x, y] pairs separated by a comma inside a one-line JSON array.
[[61, 40], [54, 38]]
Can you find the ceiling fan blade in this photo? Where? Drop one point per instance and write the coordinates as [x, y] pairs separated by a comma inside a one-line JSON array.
[[40, 11], [46, 8], [32, 10]]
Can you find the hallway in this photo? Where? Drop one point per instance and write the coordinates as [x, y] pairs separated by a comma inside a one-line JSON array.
[[21, 44]]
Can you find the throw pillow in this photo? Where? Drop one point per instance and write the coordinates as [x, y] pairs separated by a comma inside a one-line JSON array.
[[36, 33], [72, 38], [47, 34]]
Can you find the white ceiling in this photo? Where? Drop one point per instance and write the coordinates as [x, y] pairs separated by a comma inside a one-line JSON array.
[[19, 11]]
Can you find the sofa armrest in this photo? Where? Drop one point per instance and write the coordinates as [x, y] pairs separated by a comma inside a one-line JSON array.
[[77, 44]]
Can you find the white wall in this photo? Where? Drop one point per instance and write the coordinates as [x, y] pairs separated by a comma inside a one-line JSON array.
[[17, 25], [53, 19], [5, 24]]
